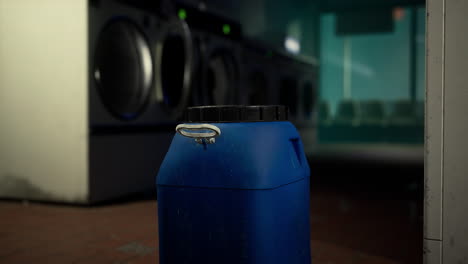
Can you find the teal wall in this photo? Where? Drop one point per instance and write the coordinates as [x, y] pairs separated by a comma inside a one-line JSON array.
[[380, 62]]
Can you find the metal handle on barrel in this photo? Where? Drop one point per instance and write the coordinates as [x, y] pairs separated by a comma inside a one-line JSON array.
[[206, 132]]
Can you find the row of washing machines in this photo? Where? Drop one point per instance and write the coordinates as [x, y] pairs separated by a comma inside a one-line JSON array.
[[146, 62], [147, 67]]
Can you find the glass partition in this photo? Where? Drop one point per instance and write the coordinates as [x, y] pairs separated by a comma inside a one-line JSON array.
[[372, 83]]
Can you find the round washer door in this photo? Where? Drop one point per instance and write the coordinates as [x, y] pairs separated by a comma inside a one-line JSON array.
[[123, 69], [220, 79], [174, 64], [288, 94], [258, 88]]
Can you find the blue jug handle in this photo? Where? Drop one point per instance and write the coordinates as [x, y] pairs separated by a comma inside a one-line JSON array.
[[199, 132]]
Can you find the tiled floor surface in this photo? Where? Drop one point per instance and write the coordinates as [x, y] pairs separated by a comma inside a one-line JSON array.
[[345, 229]]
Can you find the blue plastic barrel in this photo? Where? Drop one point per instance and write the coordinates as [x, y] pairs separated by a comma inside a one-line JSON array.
[[234, 188]]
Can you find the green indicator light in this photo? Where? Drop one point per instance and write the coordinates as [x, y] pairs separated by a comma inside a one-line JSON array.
[[182, 14], [269, 54], [226, 29]]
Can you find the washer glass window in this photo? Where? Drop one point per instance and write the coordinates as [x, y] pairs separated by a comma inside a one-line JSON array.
[[220, 78], [173, 70], [123, 68], [258, 88]]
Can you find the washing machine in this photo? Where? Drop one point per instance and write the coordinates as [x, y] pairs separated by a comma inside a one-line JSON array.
[[286, 79], [257, 78], [220, 70], [140, 66], [295, 80], [217, 49], [295, 85], [140, 80]]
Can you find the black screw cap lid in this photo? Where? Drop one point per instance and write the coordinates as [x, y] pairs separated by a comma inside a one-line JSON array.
[[236, 113]]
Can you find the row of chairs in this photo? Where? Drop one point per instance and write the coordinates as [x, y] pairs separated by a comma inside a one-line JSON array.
[[372, 121], [372, 112]]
